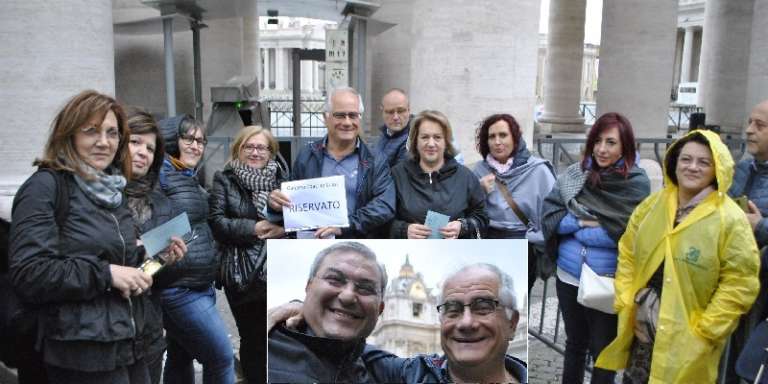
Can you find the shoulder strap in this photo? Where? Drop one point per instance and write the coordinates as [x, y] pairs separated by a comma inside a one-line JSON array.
[[510, 201], [61, 202]]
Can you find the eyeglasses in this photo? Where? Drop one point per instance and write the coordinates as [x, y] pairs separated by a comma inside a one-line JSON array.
[[478, 307], [113, 134], [399, 111], [189, 139], [343, 115], [258, 148]]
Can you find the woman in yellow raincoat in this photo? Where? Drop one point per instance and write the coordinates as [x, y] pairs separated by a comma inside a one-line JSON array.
[[687, 270]]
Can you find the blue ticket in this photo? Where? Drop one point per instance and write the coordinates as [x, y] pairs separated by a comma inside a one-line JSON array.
[[435, 221], [159, 238]]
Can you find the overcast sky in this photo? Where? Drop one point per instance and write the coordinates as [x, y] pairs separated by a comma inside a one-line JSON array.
[[594, 18], [289, 261]]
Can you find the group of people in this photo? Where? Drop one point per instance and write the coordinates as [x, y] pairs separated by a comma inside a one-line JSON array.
[[685, 259]]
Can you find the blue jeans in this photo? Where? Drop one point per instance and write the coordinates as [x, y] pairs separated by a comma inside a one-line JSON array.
[[194, 330]]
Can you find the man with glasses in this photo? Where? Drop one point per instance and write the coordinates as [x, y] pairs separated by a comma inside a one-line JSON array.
[[370, 191], [478, 319], [344, 298], [396, 111]]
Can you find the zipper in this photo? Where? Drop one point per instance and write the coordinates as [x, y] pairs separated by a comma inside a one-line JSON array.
[[429, 174], [130, 302]]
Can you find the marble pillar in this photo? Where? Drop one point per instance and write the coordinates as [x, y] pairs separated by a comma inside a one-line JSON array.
[[725, 62], [563, 67], [637, 53]]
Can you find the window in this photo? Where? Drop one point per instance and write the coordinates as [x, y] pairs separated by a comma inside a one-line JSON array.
[[417, 308]]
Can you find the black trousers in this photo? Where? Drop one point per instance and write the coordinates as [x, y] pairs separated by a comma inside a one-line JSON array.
[[586, 330], [250, 311]]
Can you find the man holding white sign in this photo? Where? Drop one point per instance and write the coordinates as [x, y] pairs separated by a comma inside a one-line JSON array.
[[368, 187]]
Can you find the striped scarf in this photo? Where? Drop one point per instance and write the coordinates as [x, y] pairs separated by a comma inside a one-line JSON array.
[[259, 182]]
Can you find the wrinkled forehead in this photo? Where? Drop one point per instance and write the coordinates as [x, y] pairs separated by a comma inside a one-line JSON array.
[[351, 264], [760, 111], [345, 102], [470, 284]]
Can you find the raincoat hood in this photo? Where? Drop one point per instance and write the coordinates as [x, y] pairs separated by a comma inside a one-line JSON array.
[[720, 154]]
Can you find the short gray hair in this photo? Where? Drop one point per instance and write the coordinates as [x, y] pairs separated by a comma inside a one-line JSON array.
[[507, 296], [335, 91], [350, 246]]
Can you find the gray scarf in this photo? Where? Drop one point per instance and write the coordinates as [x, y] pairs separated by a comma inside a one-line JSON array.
[[103, 189]]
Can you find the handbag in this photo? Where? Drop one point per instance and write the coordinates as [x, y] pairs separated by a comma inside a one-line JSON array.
[[595, 291], [753, 359], [239, 267]]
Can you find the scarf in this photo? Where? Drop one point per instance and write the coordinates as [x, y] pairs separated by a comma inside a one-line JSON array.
[[520, 157], [258, 182], [137, 191], [104, 190]]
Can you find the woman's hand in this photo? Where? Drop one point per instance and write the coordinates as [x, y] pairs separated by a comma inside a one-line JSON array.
[[277, 200], [451, 230], [418, 231], [129, 281], [267, 230], [488, 182], [290, 313], [175, 251], [589, 223]]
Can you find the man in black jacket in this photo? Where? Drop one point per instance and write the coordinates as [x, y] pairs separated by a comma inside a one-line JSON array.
[[344, 298]]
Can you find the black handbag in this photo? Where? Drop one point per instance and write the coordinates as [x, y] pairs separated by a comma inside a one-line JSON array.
[[239, 267], [752, 363]]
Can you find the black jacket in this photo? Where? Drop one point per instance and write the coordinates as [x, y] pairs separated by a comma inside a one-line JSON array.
[[298, 357], [65, 272], [162, 211], [233, 217], [453, 190], [375, 203], [199, 266]]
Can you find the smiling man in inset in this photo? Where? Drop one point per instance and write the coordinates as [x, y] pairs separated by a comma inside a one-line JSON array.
[[343, 302]]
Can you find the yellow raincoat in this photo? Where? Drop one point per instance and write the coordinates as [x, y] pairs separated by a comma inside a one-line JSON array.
[[710, 278]]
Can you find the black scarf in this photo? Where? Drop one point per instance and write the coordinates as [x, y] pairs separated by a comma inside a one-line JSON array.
[[259, 182]]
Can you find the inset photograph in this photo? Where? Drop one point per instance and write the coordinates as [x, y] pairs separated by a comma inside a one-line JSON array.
[[397, 311]]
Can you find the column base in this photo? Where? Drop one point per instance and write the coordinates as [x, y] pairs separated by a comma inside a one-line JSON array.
[[561, 124]]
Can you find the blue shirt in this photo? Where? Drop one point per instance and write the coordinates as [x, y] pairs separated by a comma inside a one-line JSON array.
[[347, 167]]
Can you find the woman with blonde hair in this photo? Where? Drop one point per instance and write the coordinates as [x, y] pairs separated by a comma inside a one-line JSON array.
[[431, 180], [75, 259], [237, 206]]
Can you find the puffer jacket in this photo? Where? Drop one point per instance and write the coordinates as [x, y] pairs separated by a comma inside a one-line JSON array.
[[375, 202], [590, 245], [233, 216], [453, 190], [710, 277], [300, 357], [393, 147], [199, 266], [65, 272], [390, 368]]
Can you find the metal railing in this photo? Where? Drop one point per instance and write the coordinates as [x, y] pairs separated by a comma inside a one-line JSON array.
[[677, 115], [281, 118]]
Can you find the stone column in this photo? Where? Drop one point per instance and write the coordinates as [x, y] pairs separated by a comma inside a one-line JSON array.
[[563, 67], [725, 61], [40, 72], [468, 68], [636, 62], [266, 68], [280, 69], [757, 89], [251, 62], [306, 75], [685, 70]]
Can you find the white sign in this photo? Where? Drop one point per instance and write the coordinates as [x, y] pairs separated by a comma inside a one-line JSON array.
[[315, 203]]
